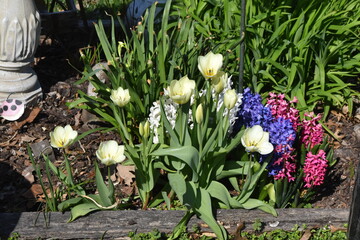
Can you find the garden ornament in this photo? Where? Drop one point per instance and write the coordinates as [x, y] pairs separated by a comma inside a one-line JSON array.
[[19, 38], [12, 109]]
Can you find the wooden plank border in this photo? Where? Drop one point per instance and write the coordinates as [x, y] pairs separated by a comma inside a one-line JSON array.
[[117, 224], [354, 218]]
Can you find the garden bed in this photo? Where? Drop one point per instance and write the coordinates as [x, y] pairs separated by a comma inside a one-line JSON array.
[[21, 192], [118, 224]]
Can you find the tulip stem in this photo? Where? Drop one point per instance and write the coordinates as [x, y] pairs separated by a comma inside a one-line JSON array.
[[200, 138], [126, 133]]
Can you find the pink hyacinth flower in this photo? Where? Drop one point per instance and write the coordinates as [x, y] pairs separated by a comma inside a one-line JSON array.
[[315, 169]]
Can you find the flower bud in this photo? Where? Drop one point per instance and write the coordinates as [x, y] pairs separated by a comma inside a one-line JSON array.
[[230, 98], [256, 166], [219, 82], [271, 192], [141, 129], [120, 46], [199, 115], [144, 129]]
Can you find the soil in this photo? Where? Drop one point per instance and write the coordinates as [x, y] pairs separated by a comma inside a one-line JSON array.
[[19, 188]]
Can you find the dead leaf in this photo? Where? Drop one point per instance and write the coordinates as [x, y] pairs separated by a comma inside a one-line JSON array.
[[7, 143], [77, 118], [306, 235], [208, 234], [127, 190], [36, 190], [126, 173], [338, 134], [335, 229], [26, 139], [32, 115], [345, 109]]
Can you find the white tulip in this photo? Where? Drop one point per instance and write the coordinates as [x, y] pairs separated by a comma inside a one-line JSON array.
[[110, 152], [256, 140], [230, 98], [120, 97], [219, 81], [199, 114], [181, 90], [210, 64], [62, 137], [144, 129]]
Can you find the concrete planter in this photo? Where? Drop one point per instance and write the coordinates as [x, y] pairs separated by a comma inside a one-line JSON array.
[[19, 38]]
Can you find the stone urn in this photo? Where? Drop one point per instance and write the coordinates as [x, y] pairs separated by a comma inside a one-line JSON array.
[[19, 38]]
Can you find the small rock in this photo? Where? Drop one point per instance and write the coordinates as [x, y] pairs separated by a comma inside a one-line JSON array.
[[41, 148], [274, 224], [27, 173], [101, 75], [357, 132]]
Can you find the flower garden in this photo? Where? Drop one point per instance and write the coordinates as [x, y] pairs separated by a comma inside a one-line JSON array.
[[203, 122]]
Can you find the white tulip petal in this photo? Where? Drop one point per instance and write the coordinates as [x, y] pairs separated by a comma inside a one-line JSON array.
[[110, 152], [256, 140], [62, 137], [210, 64]]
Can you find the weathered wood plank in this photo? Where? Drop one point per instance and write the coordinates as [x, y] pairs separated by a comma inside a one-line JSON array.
[[117, 224]]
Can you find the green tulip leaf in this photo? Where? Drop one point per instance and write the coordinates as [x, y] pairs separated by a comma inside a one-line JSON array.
[[234, 168], [255, 203], [178, 184], [82, 210], [105, 195], [187, 154], [204, 211], [69, 203], [220, 192]]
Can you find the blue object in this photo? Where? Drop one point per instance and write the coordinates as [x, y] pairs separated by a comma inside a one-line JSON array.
[[137, 8]]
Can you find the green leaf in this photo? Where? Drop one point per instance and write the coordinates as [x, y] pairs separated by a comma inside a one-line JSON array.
[[204, 211], [220, 192], [102, 188], [255, 203], [69, 203], [251, 183], [233, 168], [187, 154], [178, 184], [82, 210]]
